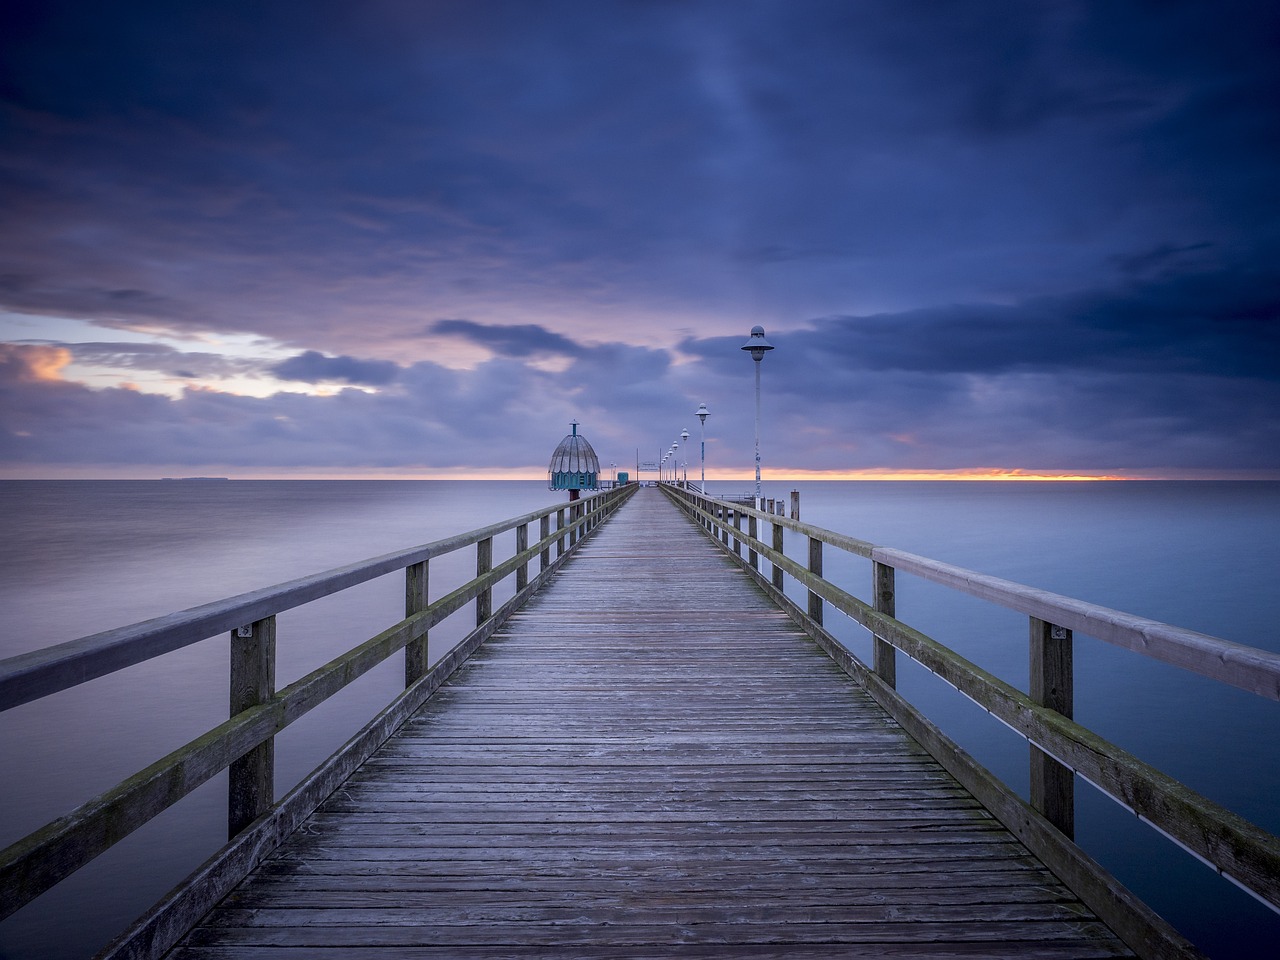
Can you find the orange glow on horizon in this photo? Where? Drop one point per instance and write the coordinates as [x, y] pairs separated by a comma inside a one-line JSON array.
[[978, 473], [531, 473]]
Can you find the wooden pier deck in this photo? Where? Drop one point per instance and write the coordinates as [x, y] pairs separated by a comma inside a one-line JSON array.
[[650, 760]]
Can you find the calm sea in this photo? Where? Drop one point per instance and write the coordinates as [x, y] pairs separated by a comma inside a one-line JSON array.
[[80, 557]]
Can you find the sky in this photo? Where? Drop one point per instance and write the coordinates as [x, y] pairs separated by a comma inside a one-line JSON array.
[[418, 239]]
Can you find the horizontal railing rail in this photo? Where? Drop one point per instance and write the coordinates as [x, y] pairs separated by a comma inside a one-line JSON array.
[[244, 743], [1238, 849], [1249, 668]]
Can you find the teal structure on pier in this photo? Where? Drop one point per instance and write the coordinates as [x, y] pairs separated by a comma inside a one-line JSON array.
[[574, 466]]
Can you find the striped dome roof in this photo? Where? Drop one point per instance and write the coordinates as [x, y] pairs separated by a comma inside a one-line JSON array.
[[574, 458]]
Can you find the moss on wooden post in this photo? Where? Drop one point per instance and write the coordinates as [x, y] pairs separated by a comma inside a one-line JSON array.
[[777, 548], [251, 781], [815, 567], [484, 563], [416, 578], [884, 656], [1052, 683]]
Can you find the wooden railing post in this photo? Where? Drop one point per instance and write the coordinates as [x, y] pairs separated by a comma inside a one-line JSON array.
[[777, 548], [724, 525], [737, 525], [884, 656], [251, 778], [815, 567], [544, 531], [753, 530], [560, 530], [484, 563], [1052, 686], [416, 578], [522, 544]]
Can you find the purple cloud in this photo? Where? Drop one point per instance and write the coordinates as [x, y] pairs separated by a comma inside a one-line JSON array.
[[315, 367]]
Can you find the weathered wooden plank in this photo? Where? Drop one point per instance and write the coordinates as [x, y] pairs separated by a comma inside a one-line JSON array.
[[411, 897], [1006, 950], [728, 934], [438, 912]]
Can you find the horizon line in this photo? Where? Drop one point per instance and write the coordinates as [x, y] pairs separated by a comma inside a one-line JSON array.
[[988, 474]]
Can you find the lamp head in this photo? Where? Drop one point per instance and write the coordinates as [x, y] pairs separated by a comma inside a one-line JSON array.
[[757, 345]]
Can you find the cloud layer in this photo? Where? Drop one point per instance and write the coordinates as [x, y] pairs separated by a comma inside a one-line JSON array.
[[1033, 236]]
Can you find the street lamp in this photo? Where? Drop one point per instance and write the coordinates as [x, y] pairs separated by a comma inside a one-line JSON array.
[[703, 413], [757, 346], [684, 438]]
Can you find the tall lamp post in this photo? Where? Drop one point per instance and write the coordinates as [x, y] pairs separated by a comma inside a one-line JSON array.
[[703, 413], [684, 439], [757, 346]]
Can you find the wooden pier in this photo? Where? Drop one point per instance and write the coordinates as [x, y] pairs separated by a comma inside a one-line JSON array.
[[650, 759], [648, 750]]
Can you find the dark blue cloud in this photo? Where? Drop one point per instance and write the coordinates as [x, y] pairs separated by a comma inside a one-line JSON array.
[[1222, 324], [524, 340], [315, 367]]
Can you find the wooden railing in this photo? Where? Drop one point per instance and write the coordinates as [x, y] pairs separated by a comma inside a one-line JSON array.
[[244, 744], [1238, 849]]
